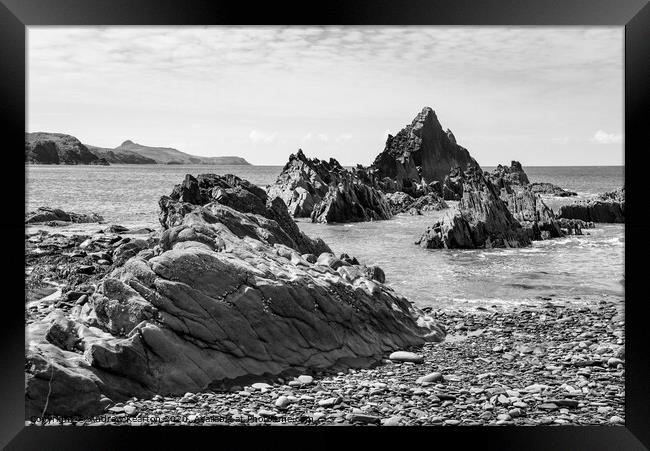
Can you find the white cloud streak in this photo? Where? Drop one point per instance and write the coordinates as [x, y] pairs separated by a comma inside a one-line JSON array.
[[602, 137]]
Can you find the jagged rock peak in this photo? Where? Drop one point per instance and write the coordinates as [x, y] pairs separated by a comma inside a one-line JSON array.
[[420, 151]]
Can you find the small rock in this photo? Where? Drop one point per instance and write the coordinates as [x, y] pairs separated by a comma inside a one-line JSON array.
[[404, 356], [431, 377]]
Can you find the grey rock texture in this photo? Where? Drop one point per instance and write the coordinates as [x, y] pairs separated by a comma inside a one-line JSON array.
[[607, 207], [327, 192], [550, 190], [482, 221], [526, 206], [220, 297]]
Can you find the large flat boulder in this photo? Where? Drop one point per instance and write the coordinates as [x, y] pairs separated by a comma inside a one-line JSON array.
[[220, 298]]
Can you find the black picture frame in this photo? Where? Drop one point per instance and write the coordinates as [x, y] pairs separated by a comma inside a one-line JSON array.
[[634, 15]]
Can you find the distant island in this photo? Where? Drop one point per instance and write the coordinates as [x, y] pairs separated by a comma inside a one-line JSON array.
[[58, 148]]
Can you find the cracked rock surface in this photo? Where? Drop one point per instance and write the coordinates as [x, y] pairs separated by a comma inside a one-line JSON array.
[[225, 295]]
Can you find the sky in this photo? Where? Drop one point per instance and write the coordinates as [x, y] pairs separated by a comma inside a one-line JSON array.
[[546, 96]]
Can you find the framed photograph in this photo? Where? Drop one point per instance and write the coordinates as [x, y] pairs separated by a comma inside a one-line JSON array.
[[377, 214]]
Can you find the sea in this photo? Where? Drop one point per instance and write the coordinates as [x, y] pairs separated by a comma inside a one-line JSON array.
[[579, 269]]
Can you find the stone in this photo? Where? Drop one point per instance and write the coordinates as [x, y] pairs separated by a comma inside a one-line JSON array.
[[130, 410], [392, 421], [282, 402], [404, 356], [261, 386], [613, 362], [431, 377], [330, 402], [363, 418], [304, 379]]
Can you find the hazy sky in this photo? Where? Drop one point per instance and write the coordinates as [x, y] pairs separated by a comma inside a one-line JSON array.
[[541, 95]]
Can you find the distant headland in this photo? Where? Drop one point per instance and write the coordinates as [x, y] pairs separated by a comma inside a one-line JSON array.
[[58, 148]]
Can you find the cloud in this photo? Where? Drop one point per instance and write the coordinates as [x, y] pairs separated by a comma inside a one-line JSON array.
[[343, 137], [258, 136], [602, 137], [306, 138], [323, 137]]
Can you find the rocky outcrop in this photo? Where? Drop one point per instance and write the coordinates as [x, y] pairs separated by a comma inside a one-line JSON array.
[[526, 206], [607, 207], [574, 226], [531, 212], [482, 221], [504, 176], [57, 148], [227, 194], [220, 298], [550, 190], [419, 154], [327, 192], [402, 203], [56, 216]]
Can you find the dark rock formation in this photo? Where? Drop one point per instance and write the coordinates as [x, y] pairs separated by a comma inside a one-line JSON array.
[[483, 220], [220, 298], [574, 226], [327, 192], [526, 207], [513, 175], [606, 207], [531, 212], [227, 194], [420, 152], [57, 148], [56, 215], [452, 186], [403, 203], [550, 189]]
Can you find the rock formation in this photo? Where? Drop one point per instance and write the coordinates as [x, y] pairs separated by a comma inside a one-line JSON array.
[[57, 148], [327, 192], [420, 153], [509, 175], [482, 221], [402, 203], [526, 206], [550, 190], [57, 216], [225, 295], [606, 207]]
